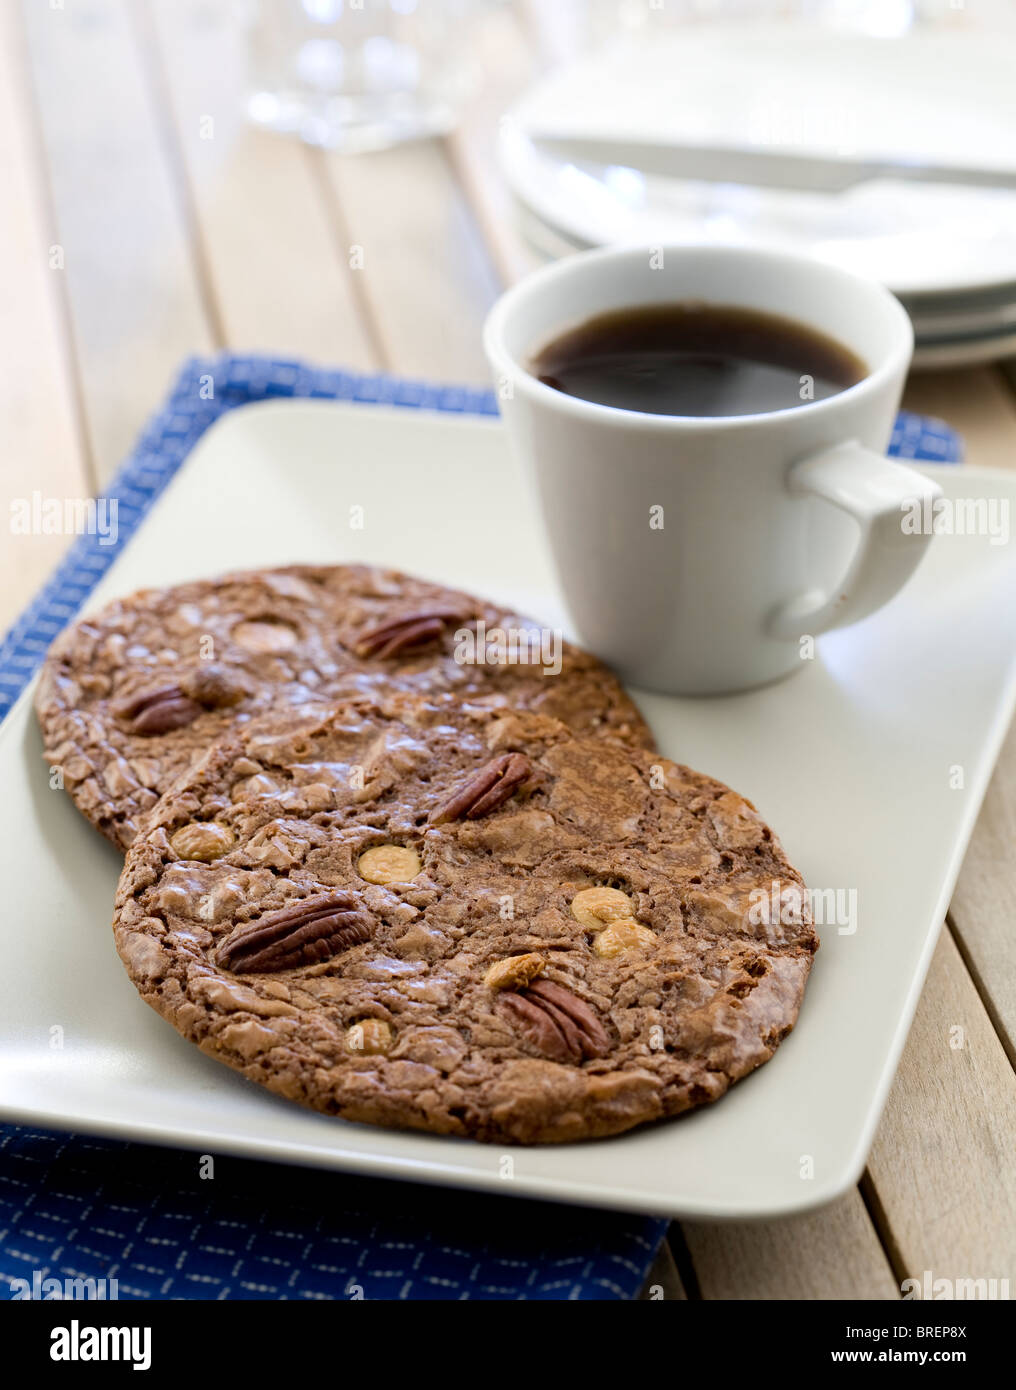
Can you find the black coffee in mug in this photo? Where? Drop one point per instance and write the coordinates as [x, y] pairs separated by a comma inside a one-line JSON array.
[[696, 359]]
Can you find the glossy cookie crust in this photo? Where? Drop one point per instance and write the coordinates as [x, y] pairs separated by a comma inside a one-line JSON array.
[[423, 913], [131, 696]]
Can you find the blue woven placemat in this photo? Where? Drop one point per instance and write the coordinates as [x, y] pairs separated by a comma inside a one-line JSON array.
[[73, 1207]]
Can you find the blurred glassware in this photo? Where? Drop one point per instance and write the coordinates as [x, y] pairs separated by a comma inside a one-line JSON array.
[[358, 75]]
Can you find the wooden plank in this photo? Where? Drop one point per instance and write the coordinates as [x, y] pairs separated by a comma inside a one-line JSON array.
[[268, 248], [983, 909], [981, 405], [424, 272], [134, 298], [832, 1253], [974, 401], [42, 446], [941, 1170]]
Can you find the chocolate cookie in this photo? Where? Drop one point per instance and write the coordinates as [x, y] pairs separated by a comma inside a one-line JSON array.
[[432, 915], [130, 696]]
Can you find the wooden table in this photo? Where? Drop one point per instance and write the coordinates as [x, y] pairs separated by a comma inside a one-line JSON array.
[[136, 230]]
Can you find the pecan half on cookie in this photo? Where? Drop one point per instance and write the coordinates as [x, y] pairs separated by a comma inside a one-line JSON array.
[[309, 932], [157, 711], [173, 706], [486, 790], [556, 1022], [408, 632]]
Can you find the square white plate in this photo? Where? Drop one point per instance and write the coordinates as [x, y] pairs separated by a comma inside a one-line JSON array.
[[854, 762]]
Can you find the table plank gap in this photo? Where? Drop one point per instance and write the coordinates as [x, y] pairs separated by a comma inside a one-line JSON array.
[[1007, 370], [135, 305], [941, 1168], [868, 1193], [159, 85], [266, 235], [834, 1252], [663, 1282], [472, 156], [331, 200], [426, 274], [684, 1262], [1000, 1025], [983, 907]]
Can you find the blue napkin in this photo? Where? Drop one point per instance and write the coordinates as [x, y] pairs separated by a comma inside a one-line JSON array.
[[74, 1207]]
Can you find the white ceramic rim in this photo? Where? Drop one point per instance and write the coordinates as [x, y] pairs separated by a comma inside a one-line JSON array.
[[507, 365]]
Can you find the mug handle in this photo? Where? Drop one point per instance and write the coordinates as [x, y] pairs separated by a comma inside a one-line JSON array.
[[873, 490]]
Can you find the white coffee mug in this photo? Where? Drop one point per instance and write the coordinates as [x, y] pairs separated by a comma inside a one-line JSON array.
[[695, 553]]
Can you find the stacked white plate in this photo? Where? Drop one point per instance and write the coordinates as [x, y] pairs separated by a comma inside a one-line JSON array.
[[937, 97]]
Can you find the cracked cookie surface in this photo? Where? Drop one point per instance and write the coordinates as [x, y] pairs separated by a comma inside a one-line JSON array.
[[131, 696], [338, 908]]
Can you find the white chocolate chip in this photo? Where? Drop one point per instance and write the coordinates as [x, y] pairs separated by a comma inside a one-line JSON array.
[[389, 864], [622, 938], [204, 841], [596, 908]]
